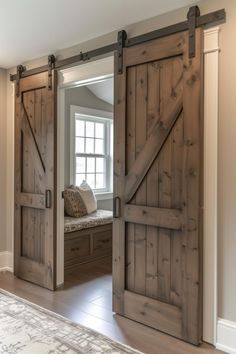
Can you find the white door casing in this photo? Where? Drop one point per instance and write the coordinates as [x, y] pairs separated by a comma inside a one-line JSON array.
[[72, 77]]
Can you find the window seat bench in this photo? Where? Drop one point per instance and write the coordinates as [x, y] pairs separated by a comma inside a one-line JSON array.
[[87, 239]]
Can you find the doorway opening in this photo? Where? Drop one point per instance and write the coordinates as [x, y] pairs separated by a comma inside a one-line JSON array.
[[86, 175]]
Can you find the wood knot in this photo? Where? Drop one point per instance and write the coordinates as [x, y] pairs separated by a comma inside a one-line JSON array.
[[173, 93], [192, 226], [192, 172], [192, 80], [189, 142]]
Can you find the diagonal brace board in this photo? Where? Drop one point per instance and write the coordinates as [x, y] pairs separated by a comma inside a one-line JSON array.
[[153, 145], [31, 133], [32, 146]]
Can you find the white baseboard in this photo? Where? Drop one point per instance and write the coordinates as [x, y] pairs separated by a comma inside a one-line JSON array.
[[6, 261], [226, 336]]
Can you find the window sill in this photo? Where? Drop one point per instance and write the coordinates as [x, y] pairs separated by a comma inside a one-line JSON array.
[[104, 196]]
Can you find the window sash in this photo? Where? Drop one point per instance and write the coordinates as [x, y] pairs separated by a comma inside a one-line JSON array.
[[107, 123]]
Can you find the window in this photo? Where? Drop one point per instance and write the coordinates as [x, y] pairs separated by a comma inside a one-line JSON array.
[[92, 148]]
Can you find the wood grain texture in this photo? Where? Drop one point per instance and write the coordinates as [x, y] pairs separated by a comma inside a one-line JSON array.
[[153, 115], [165, 47], [160, 217], [36, 201], [152, 146], [141, 193], [130, 158], [154, 313]]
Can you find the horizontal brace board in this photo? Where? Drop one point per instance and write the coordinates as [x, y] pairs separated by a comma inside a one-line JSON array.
[[152, 51], [159, 315], [160, 217], [210, 19], [36, 201]]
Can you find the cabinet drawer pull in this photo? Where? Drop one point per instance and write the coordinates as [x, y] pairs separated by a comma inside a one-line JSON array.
[[105, 241], [75, 249]]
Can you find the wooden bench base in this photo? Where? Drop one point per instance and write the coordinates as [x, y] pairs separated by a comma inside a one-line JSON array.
[[87, 245]]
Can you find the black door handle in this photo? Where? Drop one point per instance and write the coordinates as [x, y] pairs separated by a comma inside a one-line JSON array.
[[48, 198], [116, 207]]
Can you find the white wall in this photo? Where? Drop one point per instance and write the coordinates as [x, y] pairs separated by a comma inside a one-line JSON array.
[[227, 138]]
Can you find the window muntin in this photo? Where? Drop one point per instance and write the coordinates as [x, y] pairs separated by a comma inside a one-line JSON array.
[[93, 152]]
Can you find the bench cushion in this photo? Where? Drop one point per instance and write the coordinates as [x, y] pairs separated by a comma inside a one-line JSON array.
[[99, 217]]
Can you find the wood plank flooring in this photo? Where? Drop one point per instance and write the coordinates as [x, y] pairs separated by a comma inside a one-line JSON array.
[[86, 298]]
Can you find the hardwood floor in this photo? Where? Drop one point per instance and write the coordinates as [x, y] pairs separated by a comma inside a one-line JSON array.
[[86, 298]]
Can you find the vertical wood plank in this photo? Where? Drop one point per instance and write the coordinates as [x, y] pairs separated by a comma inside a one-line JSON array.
[[118, 245], [164, 180], [130, 154], [177, 190], [141, 194], [29, 105], [176, 236], [28, 214], [51, 184], [153, 113], [192, 194]]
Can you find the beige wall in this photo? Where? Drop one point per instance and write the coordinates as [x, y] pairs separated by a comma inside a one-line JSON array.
[[3, 120], [227, 139]]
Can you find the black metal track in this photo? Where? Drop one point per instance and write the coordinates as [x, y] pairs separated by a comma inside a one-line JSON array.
[[209, 20]]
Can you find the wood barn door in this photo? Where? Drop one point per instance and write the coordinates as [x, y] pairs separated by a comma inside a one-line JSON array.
[[35, 182], [157, 235]]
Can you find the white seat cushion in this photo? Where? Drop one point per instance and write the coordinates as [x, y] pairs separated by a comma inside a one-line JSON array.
[[99, 217]]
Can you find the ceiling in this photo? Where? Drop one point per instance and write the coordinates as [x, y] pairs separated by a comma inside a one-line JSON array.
[[104, 90], [33, 28]]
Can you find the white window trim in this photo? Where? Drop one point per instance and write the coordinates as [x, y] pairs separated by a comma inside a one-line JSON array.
[[96, 113]]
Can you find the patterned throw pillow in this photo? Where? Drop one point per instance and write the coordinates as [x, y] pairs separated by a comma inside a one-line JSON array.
[[73, 202]]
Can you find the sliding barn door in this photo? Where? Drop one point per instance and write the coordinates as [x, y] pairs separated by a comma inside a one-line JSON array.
[[35, 182], [157, 186]]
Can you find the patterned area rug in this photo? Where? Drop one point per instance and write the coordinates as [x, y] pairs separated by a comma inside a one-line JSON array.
[[29, 329]]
